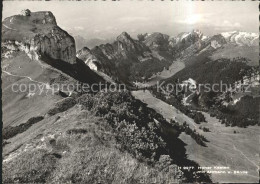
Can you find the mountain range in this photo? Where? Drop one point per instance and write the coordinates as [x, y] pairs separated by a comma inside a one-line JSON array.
[[136, 60], [81, 42], [52, 135]]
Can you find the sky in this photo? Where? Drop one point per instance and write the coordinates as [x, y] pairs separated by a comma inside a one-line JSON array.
[[107, 19]]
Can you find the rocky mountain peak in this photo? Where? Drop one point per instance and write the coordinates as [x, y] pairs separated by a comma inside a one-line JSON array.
[[197, 32], [124, 37], [158, 37], [157, 41], [38, 35], [125, 45], [219, 38], [43, 17], [191, 37], [83, 51]]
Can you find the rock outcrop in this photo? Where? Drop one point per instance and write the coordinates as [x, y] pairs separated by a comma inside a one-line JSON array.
[[127, 46], [182, 41], [85, 55], [123, 59], [157, 41], [216, 41], [26, 12], [38, 35]]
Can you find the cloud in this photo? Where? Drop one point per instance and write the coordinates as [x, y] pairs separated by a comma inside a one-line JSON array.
[[78, 28], [110, 28], [133, 19], [97, 31], [228, 24], [193, 19], [237, 24], [208, 20]]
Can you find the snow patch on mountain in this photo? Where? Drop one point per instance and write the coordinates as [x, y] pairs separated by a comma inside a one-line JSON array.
[[241, 38], [215, 44], [186, 35], [204, 38]]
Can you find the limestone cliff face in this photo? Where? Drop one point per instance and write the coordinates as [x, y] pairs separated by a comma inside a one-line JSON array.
[[38, 35], [89, 59], [57, 44]]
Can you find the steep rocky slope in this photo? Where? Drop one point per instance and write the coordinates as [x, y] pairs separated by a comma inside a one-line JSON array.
[[38, 34], [37, 53], [124, 60]]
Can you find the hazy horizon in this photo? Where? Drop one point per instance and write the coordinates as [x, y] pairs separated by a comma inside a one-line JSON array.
[[106, 20]]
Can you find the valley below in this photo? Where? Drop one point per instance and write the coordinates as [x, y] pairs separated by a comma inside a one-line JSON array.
[[66, 118], [235, 151], [166, 73]]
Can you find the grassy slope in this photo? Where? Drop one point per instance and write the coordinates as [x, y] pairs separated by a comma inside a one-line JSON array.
[[204, 70], [40, 72], [224, 147], [52, 151], [231, 51], [111, 136], [14, 103], [77, 146]]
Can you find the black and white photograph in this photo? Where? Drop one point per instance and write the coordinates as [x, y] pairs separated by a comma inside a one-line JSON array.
[[130, 92]]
